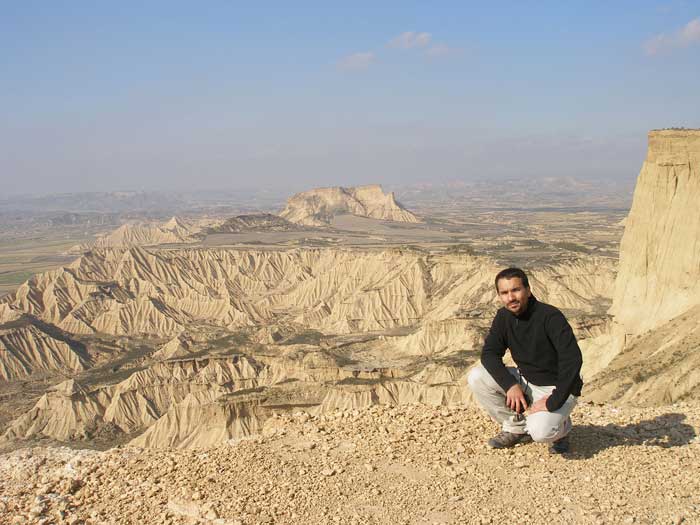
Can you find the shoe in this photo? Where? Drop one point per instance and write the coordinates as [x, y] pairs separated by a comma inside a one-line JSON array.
[[560, 446], [507, 439]]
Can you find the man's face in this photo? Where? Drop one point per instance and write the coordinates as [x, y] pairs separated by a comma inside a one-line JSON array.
[[513, 294]]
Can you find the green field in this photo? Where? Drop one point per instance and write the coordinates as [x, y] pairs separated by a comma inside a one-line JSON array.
[[14, 278], [20, 259]]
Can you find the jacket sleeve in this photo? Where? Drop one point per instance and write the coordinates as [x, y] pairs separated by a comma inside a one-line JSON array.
[[569, 357], [493, 352]]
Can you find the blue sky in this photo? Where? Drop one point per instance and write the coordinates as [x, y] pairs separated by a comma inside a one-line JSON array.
[[178, 95]]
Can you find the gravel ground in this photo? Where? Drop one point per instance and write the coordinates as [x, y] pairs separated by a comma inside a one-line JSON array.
[[383, 464]]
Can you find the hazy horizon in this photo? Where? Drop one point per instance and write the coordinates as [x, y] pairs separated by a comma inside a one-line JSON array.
[[173, 97], [287, 190]]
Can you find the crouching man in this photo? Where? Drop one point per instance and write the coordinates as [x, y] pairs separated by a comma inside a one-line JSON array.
[[547, 378]]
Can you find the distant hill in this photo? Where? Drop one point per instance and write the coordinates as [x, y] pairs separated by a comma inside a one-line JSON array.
[[173, 231], [260, 222], [151, 233], [317, 207]]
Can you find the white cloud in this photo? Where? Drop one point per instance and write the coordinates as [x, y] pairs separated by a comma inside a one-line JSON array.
[[409, 40], [684, 37], [406, 40], [357, 61], [691, 31]]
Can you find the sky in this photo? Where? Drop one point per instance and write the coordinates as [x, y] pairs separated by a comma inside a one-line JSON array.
[[116, 96]]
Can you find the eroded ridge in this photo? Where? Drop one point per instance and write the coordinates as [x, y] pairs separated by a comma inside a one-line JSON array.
[[159, 291]]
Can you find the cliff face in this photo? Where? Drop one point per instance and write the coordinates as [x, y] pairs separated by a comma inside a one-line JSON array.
[[652, 353], [318, 207], [659, 272]]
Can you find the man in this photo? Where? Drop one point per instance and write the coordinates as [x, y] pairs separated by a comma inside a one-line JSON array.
[[548, 361]]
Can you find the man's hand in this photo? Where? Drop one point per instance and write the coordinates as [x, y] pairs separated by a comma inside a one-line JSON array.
[[540, 405], [515, 399]]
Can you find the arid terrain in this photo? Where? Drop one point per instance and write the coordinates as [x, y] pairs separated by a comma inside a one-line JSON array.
[[379, 464], [306, 363]]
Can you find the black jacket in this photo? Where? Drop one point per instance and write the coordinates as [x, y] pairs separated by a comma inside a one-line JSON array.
[[542, 345]]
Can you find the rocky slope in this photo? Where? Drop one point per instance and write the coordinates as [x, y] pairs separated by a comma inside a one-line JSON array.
[[383, 464], [318, 207], [659, 367]]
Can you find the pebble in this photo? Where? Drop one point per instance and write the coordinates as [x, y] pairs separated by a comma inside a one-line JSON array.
[[382, 478], [37, 510]]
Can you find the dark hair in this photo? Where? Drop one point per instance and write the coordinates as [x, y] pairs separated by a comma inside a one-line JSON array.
[[509, 273]]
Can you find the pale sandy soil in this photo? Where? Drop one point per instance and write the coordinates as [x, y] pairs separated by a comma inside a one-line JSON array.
[[407, 464]]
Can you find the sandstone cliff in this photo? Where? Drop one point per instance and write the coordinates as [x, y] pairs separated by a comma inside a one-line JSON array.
[[318, 207], [651, 355], [659, 272]]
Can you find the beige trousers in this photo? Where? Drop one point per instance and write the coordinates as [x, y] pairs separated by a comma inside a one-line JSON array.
[[543, 427]]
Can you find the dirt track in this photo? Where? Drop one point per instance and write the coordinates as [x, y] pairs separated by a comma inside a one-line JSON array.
[[408, 464]]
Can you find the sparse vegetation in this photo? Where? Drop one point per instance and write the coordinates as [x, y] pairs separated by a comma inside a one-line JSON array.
[[572, 247], [461, 248], [14, 278], [308, 337]]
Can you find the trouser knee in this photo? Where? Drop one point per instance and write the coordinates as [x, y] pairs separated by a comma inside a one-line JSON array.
[[475, 378], [543, 435], [544, 430]]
